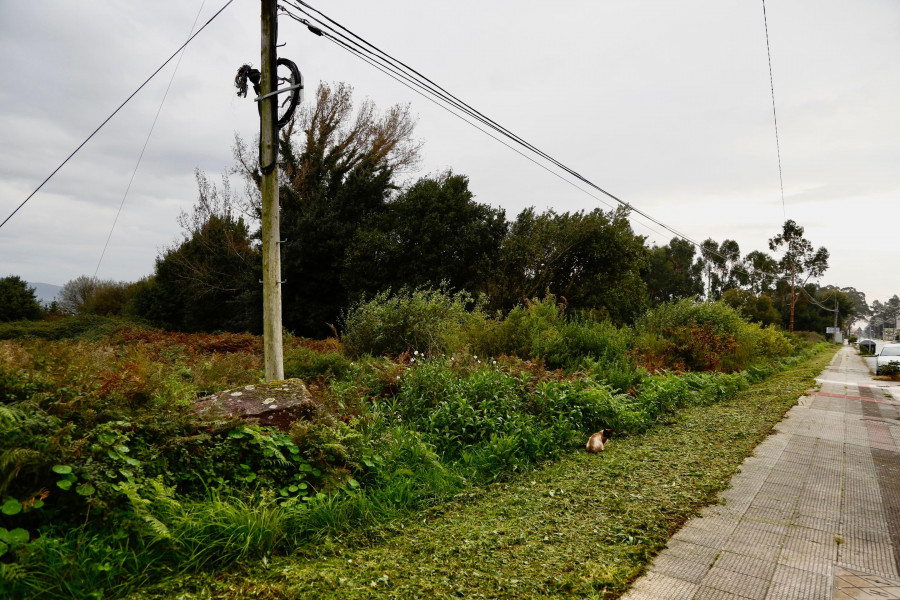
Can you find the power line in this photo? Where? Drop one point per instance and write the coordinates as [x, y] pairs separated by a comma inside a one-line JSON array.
[[105, 121], [146, 141], [774, 114], [411, 83], [324, 26], [813, 300], [405, 81], [399, 70]]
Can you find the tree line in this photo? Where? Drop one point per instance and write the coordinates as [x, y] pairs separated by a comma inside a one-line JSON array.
[[351, 228]]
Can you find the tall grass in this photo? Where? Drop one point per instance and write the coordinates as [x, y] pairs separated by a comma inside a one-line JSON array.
[[116, 481]]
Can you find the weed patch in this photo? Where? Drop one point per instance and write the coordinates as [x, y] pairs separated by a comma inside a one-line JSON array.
[[110, 479], [583, 526]]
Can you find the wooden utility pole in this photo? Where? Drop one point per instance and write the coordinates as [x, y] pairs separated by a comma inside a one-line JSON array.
[[835, 338], [268, 157]]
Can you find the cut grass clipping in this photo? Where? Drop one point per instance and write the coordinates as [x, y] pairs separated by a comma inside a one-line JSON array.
[[584, 526]]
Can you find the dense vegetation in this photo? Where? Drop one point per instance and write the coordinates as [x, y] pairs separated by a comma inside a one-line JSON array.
[[111, 480], [468, 349], [581, 527], [354, 225]]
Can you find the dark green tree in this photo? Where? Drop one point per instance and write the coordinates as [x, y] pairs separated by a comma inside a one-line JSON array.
[[758, 308], [814, 309], [433, 232], [673, 273], [17, 300], [208, 281], [338, 168], [761, 271], [721, 267], [862, 309], [592, 260], [884, 315]]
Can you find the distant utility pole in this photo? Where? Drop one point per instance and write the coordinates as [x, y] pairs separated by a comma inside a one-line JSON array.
[[836, 332], [268, 157]]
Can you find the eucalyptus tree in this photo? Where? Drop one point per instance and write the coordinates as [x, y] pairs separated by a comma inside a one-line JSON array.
[[721, 266], [761, 272], [800, 261]]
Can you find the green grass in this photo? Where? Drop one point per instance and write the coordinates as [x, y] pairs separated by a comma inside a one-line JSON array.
[[584, 526]]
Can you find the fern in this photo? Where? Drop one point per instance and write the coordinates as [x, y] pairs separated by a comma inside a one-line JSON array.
[[9, 418], [11, 462], [141, 507], [265, 442]]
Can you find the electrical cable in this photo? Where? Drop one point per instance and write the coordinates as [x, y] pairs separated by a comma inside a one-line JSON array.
[[396, 69], [105, 121], [146, 141], [385, 64], [325, 30], [408, 82], [813, 300], [400, 79], [774, 114]]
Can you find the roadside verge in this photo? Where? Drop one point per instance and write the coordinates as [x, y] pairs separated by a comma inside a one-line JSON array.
[[585, 526]]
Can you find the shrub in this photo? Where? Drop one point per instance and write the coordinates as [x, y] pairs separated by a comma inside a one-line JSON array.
[[807, 339], [891, 370], [430, 321], [491, 422], [306, 363], [695, 336], [87, 327], [111, 479], [461, 410], [540, 330]]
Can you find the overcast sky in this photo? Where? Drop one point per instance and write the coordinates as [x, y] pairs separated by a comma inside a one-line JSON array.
[[665, 104]]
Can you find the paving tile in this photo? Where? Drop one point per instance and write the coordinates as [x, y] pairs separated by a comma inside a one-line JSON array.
[[736, 583], [708, 593], [869, 532], [818, 548], [826, 521], [824, 490], [753, 548], [680, 567], [795, 584], [806, 562], [695, 535], [691, 551], [746, 565], [853, 584], [752, 527], [723, 524], [655, 586], [767, 514], [770, 500], [878, 558]]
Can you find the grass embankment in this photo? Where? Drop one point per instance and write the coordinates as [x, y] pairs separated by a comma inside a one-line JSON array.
[[584, 526]]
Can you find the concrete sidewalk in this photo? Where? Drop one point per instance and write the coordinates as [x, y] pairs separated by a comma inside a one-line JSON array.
[[813, 514]]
